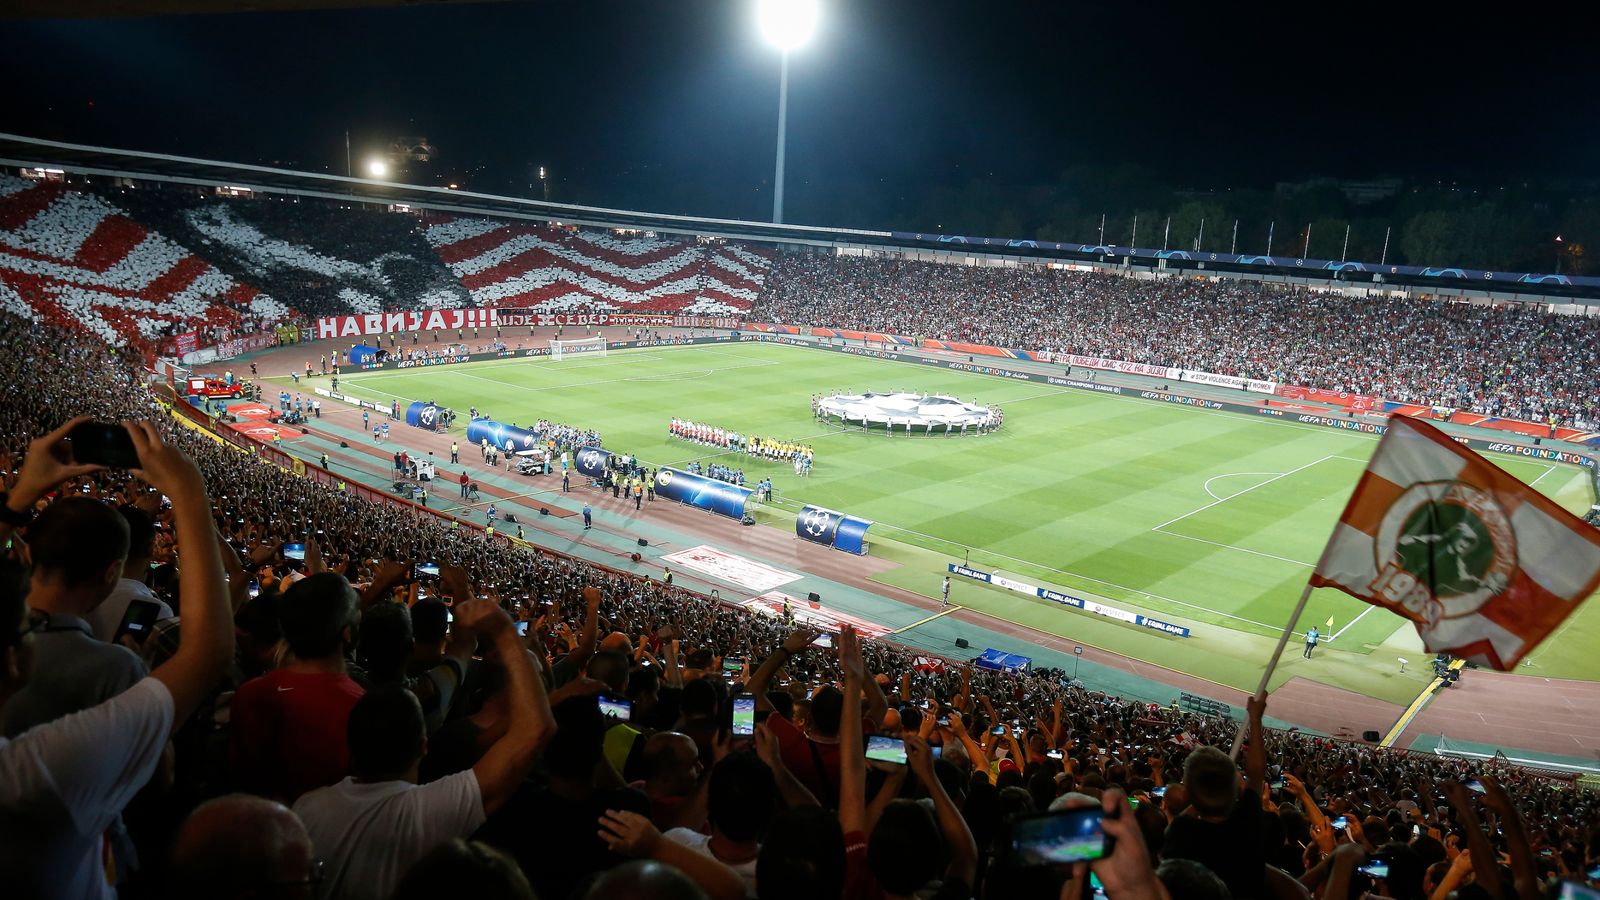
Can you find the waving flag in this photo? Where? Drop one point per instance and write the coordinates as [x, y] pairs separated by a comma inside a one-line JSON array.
[[1485, 566]]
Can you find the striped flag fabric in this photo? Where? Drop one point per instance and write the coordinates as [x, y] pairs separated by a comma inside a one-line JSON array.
[[1485, 566]]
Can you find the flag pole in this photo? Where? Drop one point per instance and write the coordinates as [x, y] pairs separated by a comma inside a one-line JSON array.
[[1272, 664]]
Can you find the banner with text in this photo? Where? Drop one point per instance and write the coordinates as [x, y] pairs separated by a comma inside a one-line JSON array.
[[412, 320], [1054, 596]]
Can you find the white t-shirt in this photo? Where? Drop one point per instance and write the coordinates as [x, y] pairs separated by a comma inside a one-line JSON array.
[[368, 835], [105, 618], [701, 844], [64, 782]]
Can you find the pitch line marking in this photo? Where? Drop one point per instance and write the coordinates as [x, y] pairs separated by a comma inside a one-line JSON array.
[[1541, 476], [1362, 615], [944, 612], [1241, 493], [1190, 537], [1207, 486]]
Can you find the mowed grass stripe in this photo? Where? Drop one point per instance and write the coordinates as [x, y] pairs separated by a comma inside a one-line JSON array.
[[1072, 484]]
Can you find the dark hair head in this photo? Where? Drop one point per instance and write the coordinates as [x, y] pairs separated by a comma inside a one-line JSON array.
[[76, 539], [385, 646], [385, 733], [827, 704], [741, 797], [466, 869], [430, 618], [910, 718], [1189, 879], [315, 612], [141, 532], [579, 738], [782, 703], [610, 667], [906, 849], [1406, 869], [644, 879], [643, 682], [698, 700], [1212, 780], [802, 857]]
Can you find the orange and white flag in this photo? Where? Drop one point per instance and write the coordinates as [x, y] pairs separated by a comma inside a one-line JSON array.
[[1484, 565]]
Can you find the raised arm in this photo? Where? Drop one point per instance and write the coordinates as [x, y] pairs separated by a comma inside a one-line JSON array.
[[852, 759], [1255, 759], [963, 849], [529, 721], [759, 682], [205, 647]]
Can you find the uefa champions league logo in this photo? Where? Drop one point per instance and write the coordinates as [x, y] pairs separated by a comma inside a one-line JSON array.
[[428, 416], [589, 459], [815, 522]]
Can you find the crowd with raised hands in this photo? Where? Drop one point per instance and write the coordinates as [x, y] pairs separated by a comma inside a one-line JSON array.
[[415, 708], [1510, 360]]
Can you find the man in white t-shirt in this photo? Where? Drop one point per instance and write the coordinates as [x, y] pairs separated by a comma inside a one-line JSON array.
[[369, 828], [62, 783], [740, 798]]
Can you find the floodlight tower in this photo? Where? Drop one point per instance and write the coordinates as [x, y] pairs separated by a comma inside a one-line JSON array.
[[786, 25]]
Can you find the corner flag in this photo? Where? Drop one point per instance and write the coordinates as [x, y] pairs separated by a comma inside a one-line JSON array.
[[1329, 626], [1484, 566]]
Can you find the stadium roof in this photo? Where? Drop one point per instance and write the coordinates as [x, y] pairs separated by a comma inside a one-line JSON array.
[[26, 152], [112, 9]]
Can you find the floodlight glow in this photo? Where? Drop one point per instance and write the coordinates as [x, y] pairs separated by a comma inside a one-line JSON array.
[[377, 168], [787, 24]]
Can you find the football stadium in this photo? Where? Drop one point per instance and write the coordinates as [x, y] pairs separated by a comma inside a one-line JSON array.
[[378, 529]]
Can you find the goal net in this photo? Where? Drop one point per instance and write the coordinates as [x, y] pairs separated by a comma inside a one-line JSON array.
[[595, 346]]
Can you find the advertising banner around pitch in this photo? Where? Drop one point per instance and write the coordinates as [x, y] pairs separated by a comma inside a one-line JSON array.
[[704, 493], [818, 525], [498, 433], [591, 461], [1054, 596]]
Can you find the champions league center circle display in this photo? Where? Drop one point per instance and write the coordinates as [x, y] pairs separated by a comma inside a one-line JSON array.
[[916, 412]]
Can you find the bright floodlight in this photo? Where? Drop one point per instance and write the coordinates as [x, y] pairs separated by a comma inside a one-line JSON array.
[[377, 168], [787, 24]]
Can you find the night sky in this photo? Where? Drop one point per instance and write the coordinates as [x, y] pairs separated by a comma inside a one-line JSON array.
[[671, 104]]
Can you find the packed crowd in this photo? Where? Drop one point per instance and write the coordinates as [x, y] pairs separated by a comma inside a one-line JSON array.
[[321, 258], [1505, 361], [339, 698]]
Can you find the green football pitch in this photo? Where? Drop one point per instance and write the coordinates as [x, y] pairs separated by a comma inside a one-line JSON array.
[[1197, 517]]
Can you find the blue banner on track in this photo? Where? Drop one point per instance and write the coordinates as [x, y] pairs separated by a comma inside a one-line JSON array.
[[704, 493]]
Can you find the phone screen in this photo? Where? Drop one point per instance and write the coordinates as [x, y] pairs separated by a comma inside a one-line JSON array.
[[138, 619], [1377, 868], [618, 707], [1158, 791], [824, 639], [294, 551], [1571, 890], [732, 664], [426, 570], [744, 715], [1477, 786], [886, 749], [1067, 836], [1340, 823], [522, 628], [103, 444]]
